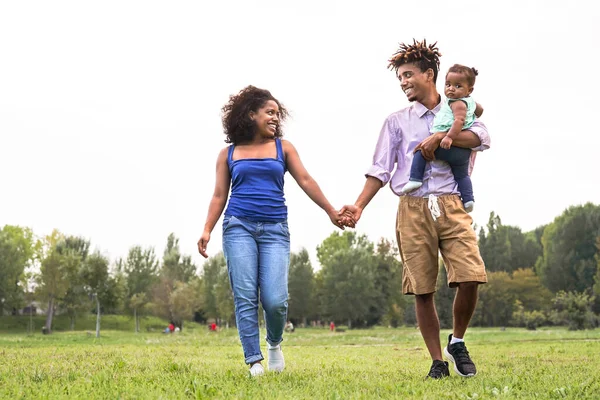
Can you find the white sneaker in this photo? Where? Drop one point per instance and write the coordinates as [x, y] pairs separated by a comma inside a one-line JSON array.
[[411, 185], [276, 361], [257, 370], [469, 205]]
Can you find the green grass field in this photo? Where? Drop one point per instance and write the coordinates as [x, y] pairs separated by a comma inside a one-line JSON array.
[[368, 364]]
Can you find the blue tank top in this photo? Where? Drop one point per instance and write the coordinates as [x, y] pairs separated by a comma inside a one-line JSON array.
[[257, 187]]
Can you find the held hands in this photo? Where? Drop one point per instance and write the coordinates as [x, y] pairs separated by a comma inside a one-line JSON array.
[[446, 143], [349, 215], [346, 217], [203, 242]]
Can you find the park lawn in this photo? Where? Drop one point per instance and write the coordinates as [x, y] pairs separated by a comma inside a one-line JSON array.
[[373, 363]]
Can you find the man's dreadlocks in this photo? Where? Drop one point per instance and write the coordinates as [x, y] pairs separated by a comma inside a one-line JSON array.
[[420, 54]]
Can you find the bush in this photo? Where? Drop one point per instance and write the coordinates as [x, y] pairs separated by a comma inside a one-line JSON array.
[[534, 319], [85, 322], [574, 310], [529, 319]]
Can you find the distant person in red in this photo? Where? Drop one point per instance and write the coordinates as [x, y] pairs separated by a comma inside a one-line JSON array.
[[213, 327], [171, 327], [331, 326]]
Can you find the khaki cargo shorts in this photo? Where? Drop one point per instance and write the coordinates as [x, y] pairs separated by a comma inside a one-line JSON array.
[[420, 236]]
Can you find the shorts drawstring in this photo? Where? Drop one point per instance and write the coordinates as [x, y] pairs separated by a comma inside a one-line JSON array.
[[434, 207]]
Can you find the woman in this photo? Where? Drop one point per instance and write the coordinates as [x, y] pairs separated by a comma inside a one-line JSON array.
[[256, 239]]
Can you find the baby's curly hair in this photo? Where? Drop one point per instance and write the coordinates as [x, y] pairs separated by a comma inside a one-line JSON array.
[[423, 55], [237, 124], [468, 72]]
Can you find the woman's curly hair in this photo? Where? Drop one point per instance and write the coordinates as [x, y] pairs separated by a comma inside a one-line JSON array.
[[237, 124], [420, 53], [468, 72]]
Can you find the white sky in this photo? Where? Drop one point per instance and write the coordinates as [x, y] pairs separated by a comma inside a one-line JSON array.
[[110, 111]]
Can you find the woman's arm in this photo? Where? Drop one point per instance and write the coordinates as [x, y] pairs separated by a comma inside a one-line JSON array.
[[307, 183], [217, 203]]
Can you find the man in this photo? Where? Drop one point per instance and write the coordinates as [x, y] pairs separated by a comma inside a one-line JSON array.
[[432, 217]]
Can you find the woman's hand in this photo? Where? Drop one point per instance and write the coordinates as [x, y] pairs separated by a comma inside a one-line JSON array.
[[203, 242], [335, 219]]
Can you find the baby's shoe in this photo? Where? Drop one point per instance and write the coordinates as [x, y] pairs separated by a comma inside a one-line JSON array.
[[469, 205], [411, 185]]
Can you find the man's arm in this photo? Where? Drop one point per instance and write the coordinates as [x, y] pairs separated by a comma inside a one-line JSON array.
[[465, 139], [384, 161], [372, 186], [478, 110], [476, 138], [482, 142]]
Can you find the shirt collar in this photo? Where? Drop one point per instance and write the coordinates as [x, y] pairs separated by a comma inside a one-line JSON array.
[[421, 110]]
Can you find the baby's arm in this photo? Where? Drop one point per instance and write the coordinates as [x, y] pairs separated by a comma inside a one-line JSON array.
[[478, 110], [459, 109]]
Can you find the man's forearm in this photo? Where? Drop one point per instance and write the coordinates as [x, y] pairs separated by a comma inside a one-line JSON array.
[[467, 140], [372, 186]]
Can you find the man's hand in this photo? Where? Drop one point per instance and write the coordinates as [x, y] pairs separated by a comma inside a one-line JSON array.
[[202, 243], [350, 214], [430, 145], [446, 143]]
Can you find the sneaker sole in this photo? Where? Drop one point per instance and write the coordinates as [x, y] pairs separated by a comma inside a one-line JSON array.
[[451, 359]]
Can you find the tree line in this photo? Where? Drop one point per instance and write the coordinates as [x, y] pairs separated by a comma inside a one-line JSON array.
[[550, 275]]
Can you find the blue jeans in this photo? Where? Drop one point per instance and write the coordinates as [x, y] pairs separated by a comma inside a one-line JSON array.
[[458, 159], [258, 258]]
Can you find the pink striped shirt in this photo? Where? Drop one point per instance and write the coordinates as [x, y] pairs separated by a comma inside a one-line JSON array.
[[402, 131]]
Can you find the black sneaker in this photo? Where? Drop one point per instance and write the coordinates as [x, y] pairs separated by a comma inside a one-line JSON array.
[[459, 356], [439, 370]]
